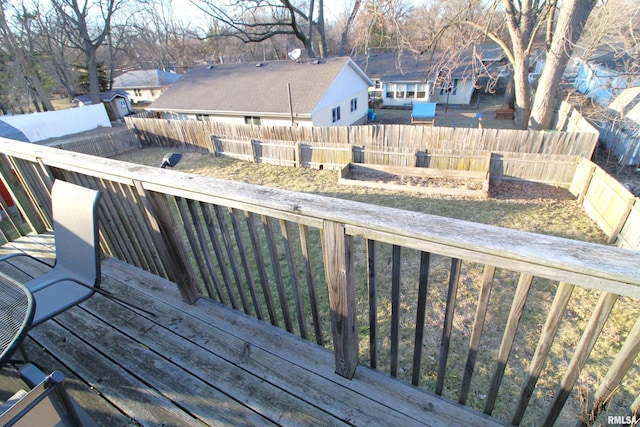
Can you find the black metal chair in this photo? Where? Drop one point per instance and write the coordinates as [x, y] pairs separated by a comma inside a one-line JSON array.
[[47, 404]]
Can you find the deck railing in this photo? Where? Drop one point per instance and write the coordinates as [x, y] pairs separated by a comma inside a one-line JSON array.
[[507, 322]]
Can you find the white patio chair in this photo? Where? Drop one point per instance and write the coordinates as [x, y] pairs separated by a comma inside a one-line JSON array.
[[75, 276]]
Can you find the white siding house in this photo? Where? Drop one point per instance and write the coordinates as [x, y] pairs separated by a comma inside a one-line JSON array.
[[145, 86], [328, 92], [402, 78]]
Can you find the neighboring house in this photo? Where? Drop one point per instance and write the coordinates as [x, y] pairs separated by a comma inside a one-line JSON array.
[[145, 86], [620, 131], [402, 78], [326, 92], [605, 75], [115, 101]]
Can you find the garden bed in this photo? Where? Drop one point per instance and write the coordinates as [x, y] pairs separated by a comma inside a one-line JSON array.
[[422, 180]]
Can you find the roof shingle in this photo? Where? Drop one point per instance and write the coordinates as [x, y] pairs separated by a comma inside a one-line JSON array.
[[252, 87]]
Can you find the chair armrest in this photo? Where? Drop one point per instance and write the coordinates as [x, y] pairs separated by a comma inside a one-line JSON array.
[[31, 374]]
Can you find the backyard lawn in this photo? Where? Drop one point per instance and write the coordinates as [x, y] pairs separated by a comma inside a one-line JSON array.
[[531, 207]]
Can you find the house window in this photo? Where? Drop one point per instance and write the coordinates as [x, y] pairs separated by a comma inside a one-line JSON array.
[[137, 92], [335, 114], [252, 120], [123, 103], [421, 90], [354, 104], [202, 117], [453, 88], [378, 84], [400, 91], [411, 91], [391, 90]]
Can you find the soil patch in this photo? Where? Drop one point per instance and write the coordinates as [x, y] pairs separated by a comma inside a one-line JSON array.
[[412, 180]]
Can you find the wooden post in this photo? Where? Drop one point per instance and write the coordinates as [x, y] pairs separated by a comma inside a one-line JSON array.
[[587, 181], [172, 256], [338, 265], [624, 216]]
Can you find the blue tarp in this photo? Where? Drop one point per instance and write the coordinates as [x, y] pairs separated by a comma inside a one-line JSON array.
[[424, 110]]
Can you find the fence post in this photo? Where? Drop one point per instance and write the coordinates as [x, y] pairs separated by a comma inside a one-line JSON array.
[[624, 216], [587, 181], [338, 265]]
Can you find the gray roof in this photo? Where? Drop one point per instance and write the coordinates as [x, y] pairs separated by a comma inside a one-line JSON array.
[[420, 67], [145, 79], [107, 96], [254, 87], [10, 132]]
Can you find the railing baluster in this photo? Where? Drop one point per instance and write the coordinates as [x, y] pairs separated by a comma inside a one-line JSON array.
[[260, 264], [189, 218], [373, 307], [277, 272], [517, 307], [618, 369], [423, 281], [140, 226], [231, 256], [128, 244], [235, 224], [288, 250], [108, 231], [30, 212], [395, 308], [209, 274], [589, 337], [547, 336], [454, 278], [217, 250], [476, 332], [311, 288]]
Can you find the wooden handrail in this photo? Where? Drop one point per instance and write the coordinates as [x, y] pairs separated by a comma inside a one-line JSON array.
[[237, 243]]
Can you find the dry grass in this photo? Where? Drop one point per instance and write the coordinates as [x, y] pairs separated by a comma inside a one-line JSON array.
[[529, 207]]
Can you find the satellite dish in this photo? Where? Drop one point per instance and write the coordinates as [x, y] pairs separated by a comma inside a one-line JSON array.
[[294, 54]]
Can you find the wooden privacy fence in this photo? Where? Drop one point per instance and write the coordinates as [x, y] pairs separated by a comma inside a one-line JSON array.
[[162, 132], [438, 302], [283, 153], [608, 203], [245, 144], [104, 145]]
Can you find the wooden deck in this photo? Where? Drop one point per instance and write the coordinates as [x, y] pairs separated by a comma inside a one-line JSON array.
[[205, 364]]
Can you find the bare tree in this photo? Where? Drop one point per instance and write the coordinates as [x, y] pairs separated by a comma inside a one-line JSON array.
[[89, 22], [54, 39], [254, 21], [572, 17], [19, 45], [347, 26]]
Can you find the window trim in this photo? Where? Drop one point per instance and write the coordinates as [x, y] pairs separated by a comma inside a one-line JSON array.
[[335, 114]]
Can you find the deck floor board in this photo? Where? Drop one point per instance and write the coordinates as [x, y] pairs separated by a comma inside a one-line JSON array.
[[204, 364]]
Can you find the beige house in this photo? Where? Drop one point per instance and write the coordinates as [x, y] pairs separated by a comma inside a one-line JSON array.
[[327, 92]]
